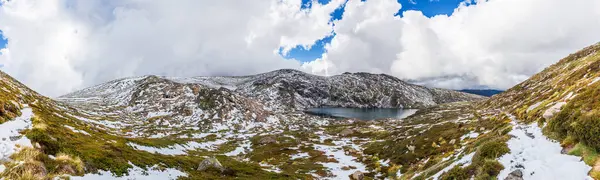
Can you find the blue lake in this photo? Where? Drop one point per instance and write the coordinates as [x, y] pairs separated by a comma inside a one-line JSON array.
[[362, 113]]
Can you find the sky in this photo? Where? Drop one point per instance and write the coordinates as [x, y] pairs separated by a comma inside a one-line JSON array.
[[429, 8], [59, 46]]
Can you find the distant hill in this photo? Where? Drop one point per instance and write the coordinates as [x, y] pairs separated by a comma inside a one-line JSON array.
[[482, 92]]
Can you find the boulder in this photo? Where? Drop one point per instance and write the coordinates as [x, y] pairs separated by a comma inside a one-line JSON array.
[[549, 113], [411, 148], [357, 175], [452, 141], [267, 140], [211, 162], [515, 175], [347, 132]]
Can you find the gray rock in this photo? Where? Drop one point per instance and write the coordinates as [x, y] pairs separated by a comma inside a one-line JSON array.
[[515, 175], [411, 148], [347, 132], [549, 113], [210, 162], [530, 135], [267, 140], [357, 175], [14, 138]]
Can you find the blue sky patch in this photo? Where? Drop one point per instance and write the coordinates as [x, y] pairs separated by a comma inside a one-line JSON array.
[[429, 8], [308, 54], [3, 40], [306, 4]]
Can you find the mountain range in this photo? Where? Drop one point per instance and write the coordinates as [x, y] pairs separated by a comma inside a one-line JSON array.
[[253, 127]]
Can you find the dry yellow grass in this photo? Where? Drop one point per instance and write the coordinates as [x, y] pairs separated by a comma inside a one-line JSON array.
[[68, 164], [25, 170]]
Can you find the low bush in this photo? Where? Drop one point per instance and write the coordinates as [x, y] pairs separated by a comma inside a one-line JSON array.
[[489, 168], [586, 130], [491, 150], [456, 173]]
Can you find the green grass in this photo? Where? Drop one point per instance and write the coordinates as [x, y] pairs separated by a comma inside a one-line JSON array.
[[589, 154], [104, 151]]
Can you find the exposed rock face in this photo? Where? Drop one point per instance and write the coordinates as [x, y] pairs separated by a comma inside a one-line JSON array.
[[242, 102], [357, 175], [211, 163], [549, 113], [292, 89], [515, 175], [281, 90], [267, 140], [347, 132]]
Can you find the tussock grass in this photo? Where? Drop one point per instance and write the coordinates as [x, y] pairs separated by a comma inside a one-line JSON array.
[[67, 164], [25, 165]]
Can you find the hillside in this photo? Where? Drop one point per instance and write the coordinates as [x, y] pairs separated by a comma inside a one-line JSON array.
[[267, 101], [563, 99], [512, 135], [250, 127], [173, 128]]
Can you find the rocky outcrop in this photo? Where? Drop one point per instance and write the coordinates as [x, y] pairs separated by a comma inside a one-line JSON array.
[[267, 140], [347, 132], [211, 162], [549, 113], [357, 175], [515, 175], [281, 90], [244, 102]]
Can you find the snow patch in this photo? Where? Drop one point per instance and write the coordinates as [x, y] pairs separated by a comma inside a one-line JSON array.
[[76, 130], [157, 114], [110, 124], [569, 96], [594, 81], [343, 160], [240, 149], [471, 135], [10, 137], [299, 156], [179, 149], [136, 173], [540, 158], [464, 161], [533, 106]]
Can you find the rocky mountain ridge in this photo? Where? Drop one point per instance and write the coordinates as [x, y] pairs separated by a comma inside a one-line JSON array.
[[265, 100], [288, 89]]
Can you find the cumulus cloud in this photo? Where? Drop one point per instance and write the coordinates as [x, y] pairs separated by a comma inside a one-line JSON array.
[[57, 46], [495, 43]]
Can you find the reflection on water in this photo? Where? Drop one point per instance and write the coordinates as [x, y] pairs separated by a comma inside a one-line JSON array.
[[362, 113]]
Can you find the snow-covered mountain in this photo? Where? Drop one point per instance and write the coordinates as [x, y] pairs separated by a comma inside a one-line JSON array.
[[250, 127], [243, 101], [284, 89]]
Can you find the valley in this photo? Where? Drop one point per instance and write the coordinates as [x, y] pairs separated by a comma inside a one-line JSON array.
[[254, 127]]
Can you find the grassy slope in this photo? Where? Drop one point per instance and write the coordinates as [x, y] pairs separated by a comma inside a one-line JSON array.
[[435, 133], [101, 150], [430, 131], [570, 81]]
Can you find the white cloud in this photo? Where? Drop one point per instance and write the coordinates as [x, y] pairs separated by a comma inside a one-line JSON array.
[[56, 46], [495, 43]]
